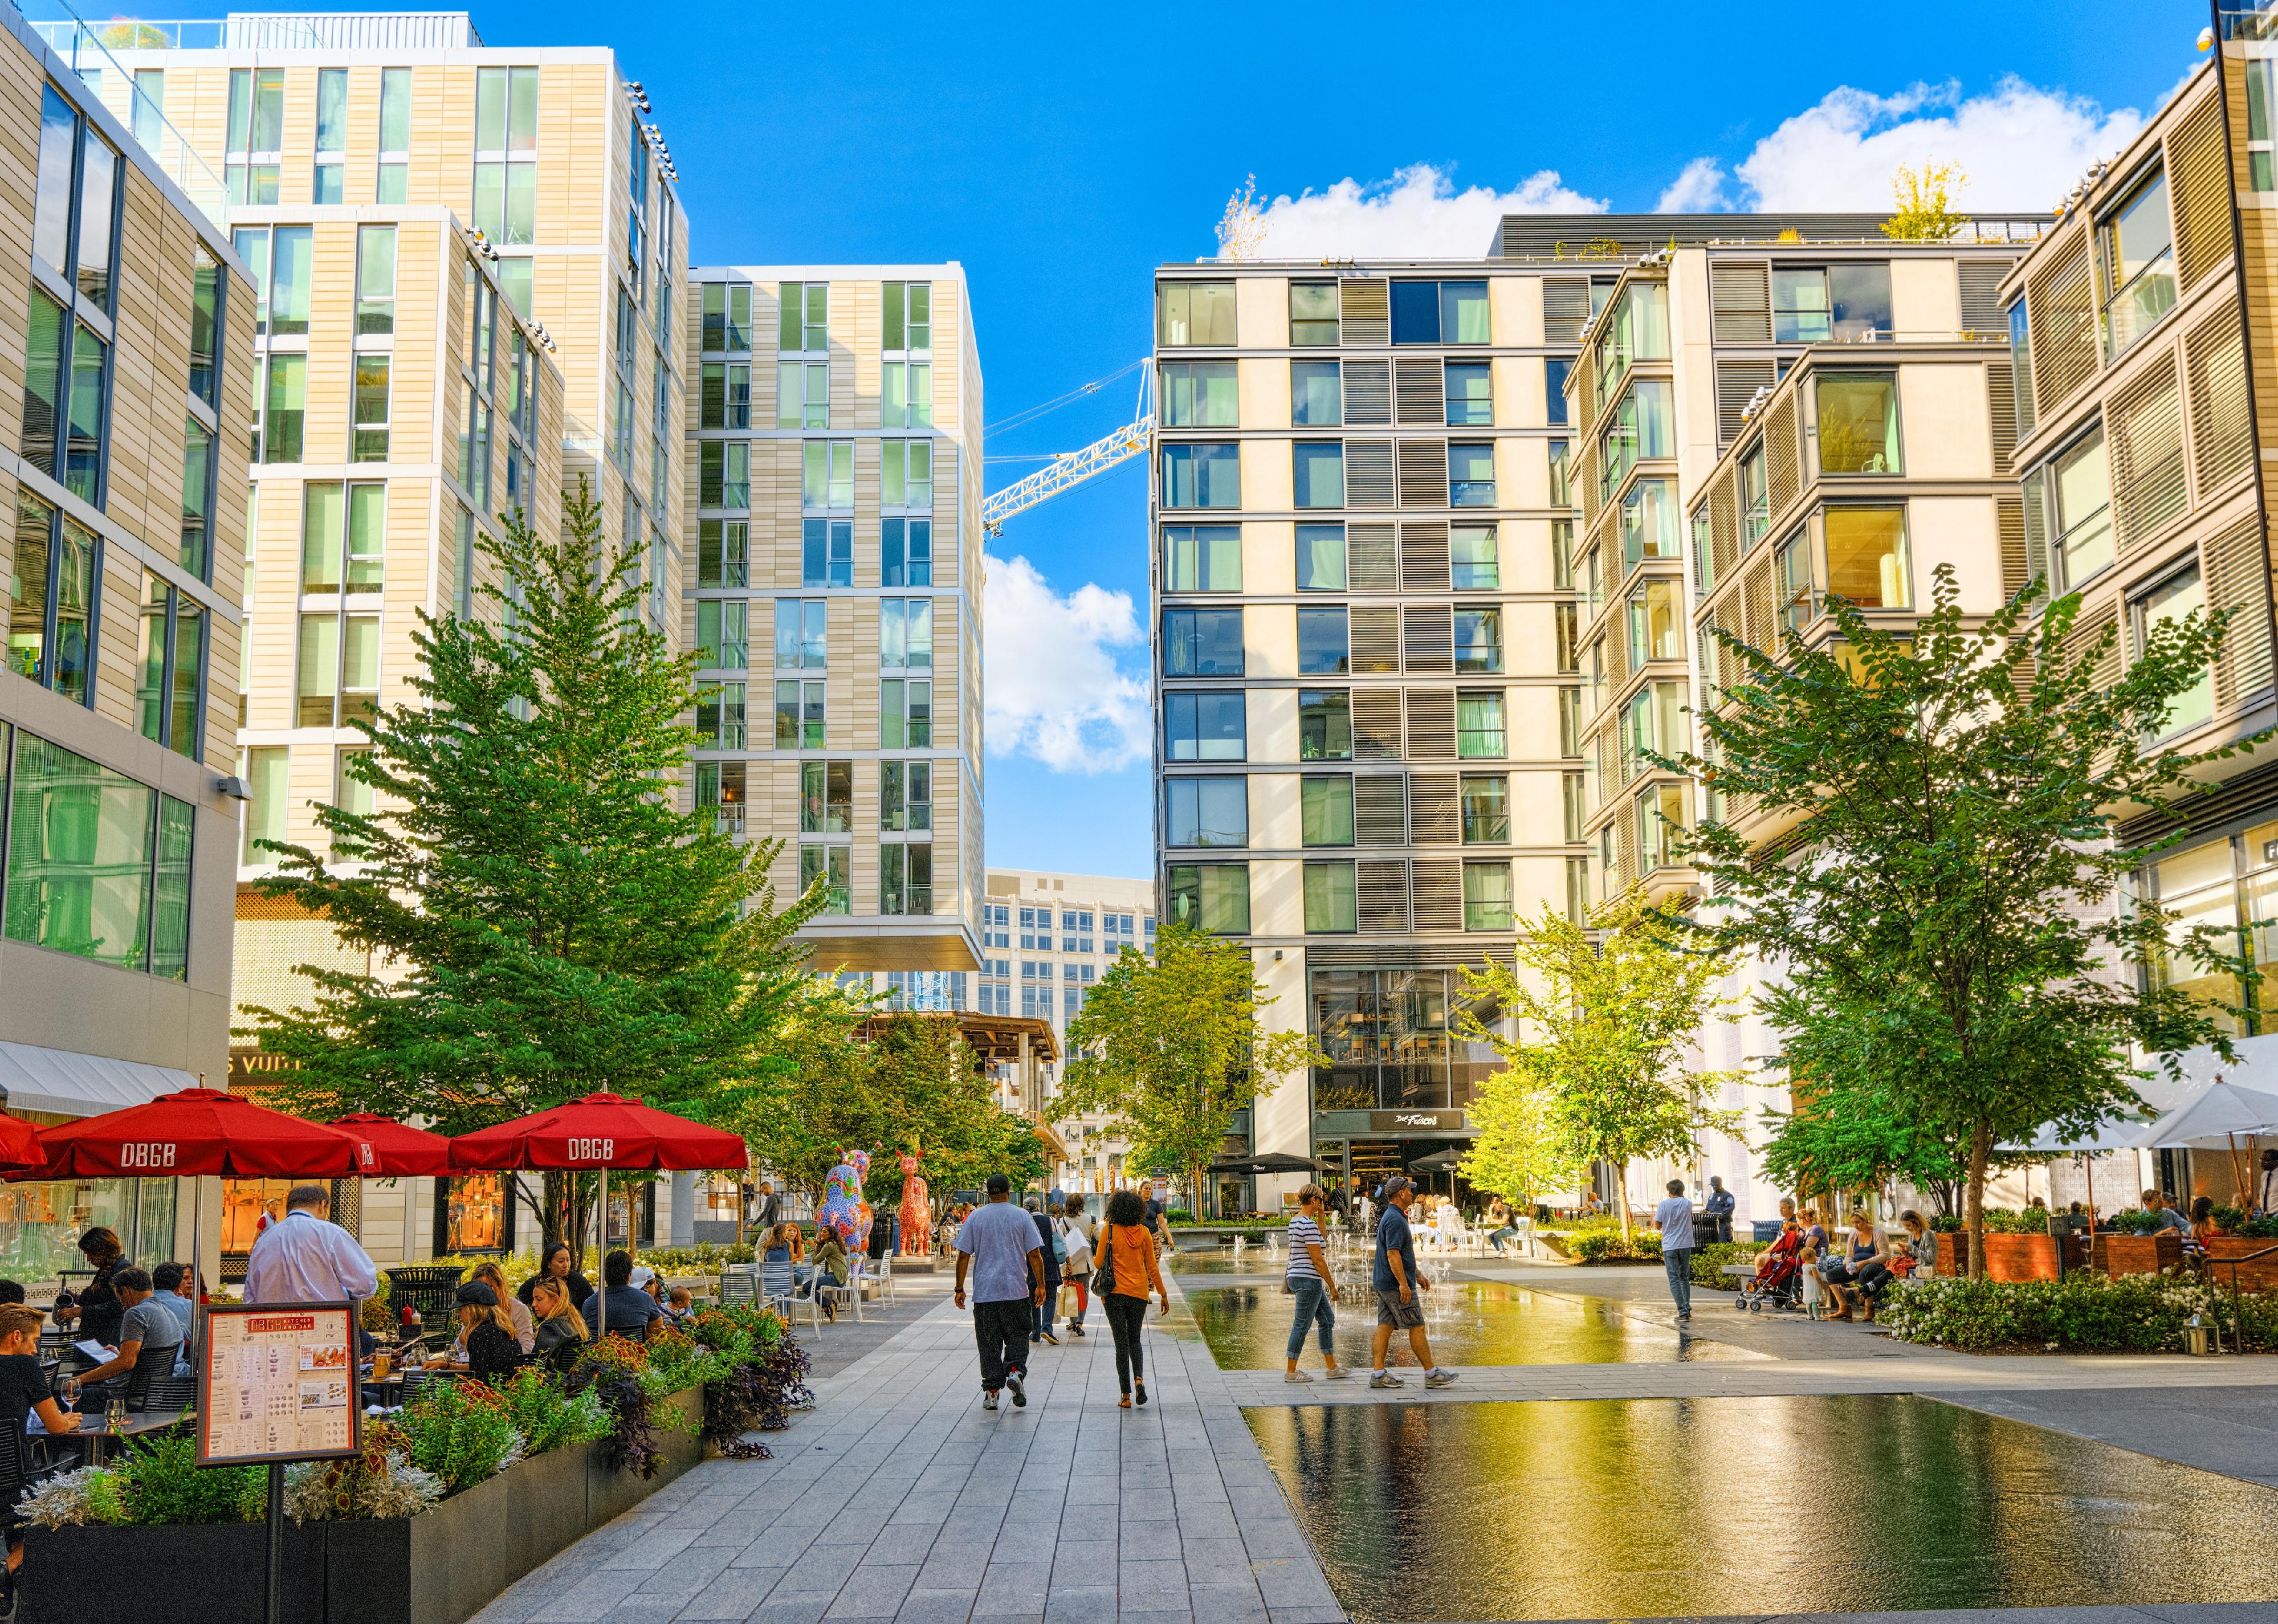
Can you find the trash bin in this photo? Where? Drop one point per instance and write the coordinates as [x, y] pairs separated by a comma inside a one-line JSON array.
[[1766, 1230], [428, 1290]]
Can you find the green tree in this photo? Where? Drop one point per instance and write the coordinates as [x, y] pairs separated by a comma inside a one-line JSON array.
[[1519, 1146], [825, 1100], [1948, 912], [1925, 199], [1170, 1048], [543, 921], [1604, 1029]]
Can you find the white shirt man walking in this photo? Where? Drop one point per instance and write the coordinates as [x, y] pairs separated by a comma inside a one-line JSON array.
[[1675, 1216], [304, 1257]]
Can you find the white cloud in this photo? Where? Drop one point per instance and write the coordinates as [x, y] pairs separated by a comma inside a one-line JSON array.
[[1417, 214], [1053, 690], [1698, 189], [2021, 147]]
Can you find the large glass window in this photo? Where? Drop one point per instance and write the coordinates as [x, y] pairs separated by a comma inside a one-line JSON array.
[[51, 202], [905, 633], [1326, 811], [2136, 261], [1321, 558], [52, 600], [1479, 640], [1202, 642], [1472, 562], [2173, 599], [727, 315], [1642, 426], [1755, 497], [2080, 487], [723, 634], [1440, 313], [1324, 645], [1324, 725], [826, 797], [1858, 415], [1843, 302], [802, 633], [1470, 394], [1478, 724], [196, 546], [1312, 313], [339, 669], [506, 154], [906, 796], [905, 395], [255, 137], [1317, 399], [1487, 809], [1649, 521], [1200, 394], [827, 552], [723, 553], [1211, 898], [1867, 556], [1661, 818], [1330, 904], [1204, 726], [1487, 896], [831, 866], [1194, 313], [92, 856], [906, 552], [1655, 632], [283, 408], [904, 878], [1638, 331], [1317, 474], [1470, 475], [906, 473], [904, 714], [1201, 476], [1202, 558], [1207, 811], [803, 317], [169, 663], [2021, 363], [390, 182]]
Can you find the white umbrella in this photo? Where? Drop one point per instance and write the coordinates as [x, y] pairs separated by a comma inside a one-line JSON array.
[[2213, 1118], [2122, 1133]]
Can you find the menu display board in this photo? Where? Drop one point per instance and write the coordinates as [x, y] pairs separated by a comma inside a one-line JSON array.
[[279, 1382]]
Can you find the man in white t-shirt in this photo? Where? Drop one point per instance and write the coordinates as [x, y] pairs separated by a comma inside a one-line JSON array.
[[1675, 1218]]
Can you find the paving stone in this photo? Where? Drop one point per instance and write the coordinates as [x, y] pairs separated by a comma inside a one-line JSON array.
[[936, 1607], [733, 1594]]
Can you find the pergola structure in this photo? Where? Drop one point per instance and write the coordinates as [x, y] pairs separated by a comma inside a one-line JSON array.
[[1021, 1042]]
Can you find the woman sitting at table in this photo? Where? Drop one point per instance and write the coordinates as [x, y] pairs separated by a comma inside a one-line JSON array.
[[492, 1354], [560, 1264], [525, 1324], [562, 1329], [97, 1308], [787, 1245], [24, 1392]]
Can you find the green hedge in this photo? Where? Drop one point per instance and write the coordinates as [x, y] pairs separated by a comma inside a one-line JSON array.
[[2080, 1314], [1709, 1263]]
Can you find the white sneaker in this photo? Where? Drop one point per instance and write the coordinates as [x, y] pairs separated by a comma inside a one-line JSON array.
[[1337, 1373], [1295, 1375]]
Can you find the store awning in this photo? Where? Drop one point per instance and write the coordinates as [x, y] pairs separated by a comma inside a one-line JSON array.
[[66, 1083]]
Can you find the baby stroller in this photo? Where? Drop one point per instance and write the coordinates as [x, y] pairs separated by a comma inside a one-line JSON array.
[[1778, 1281]]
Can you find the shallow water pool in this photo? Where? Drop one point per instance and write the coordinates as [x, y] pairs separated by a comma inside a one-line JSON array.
[[1247, 1328], [1646, 1508]]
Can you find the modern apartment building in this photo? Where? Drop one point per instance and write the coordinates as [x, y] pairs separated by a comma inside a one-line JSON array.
[[1370, 763], [834, 468], [466, 268], [127, 330]]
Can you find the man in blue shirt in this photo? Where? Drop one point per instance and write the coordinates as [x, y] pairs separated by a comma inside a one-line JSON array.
[[998, 1242], [1719, 1208], [1397, 1281]]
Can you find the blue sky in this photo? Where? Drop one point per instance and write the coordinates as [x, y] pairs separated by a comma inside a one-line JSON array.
[[1061, 152]]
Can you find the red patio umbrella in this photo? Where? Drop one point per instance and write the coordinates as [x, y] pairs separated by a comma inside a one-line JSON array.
[[202, 1132], [20, 1145], [403, 1151], [601, 1131]]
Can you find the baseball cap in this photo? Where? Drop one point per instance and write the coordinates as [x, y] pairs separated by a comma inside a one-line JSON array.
[[480, 1293], [1394, 1186], [642, 1275], [999, 1184]]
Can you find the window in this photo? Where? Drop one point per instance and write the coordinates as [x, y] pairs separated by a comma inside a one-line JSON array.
[[1649, 521], [724, 393], [1326, 809], [2136, 263], [727, 315], [1317, 399], [1312, 313], [908, 309], [1487, 896], [2021, 364], [826, 475], [98, 201], [1317, 474], [1470, 475], [198, 470], [2167, 604], [1561, 494], [1471, 556], [263, 768], [51, 612], [1844, 303], [98, 864], [1652, 721], [1867, 556], [1654, 631], [282, 407], [329, 186], [255, 137], [1330, 902], [1574, 802], [905, 394], [1201, 642], [1660, 819], [506, 154], [826, 797], [2079, 486], [149, 106], [391, 184], [1204, 726], [799, 715], [803, 317], [1479, 640], [906, 551], [723, 634], [205, 324], [1324, 725], [904, 880], [1440, 313], [906, 473], [1570, 723], [342, 527], [723, 550], [1194, 313], [906, 796], [170, 665], [339, 669], [43, 385], [802, 633], [1470, 394], [1793, 584], [1320, 557], [1639, 331], [1555, 370], [1200, 394], [1201, 476], [803, 394], [375, 310], [1202, 558], [828, 866], [1858, 417], [1205, 811], [1211, 898], [827, 552], [1641, 427], [723, 473], [905, 633], [904, 714], [1478, 724], [1487, 810], [1324, 647], [83, 443], [368, 441], [1755, 497]]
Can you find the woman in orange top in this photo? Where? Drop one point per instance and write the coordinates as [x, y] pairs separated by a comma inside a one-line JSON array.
[[1128, 1250]]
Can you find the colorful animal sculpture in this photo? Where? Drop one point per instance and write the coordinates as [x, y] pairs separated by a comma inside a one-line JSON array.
[[841, 1191], [917, 1210]]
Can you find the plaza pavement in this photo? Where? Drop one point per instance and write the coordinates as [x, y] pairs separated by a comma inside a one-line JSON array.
[[898, 1499]]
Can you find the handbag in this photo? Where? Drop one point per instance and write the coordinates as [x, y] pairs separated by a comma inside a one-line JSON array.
[[1102, 1278]]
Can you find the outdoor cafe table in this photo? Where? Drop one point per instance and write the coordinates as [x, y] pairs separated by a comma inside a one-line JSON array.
[[94, 1431]]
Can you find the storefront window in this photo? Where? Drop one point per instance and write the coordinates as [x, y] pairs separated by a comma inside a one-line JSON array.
[[41, 1224], [472, 1213], [2197, 888], [247, 1206]]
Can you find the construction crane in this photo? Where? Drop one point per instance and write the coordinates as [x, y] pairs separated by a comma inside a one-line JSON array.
[[1070, 468]]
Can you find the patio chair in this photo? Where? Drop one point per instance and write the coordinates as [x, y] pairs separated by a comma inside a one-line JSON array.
[[739, 1284], [883, 1277], [785, 1298], [851, 1292]]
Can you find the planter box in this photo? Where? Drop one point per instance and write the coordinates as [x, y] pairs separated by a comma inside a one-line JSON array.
[[104, 1576], [439, 1566], [2259, 1275], [609, 1493], [2008, 1257], [2137, 1255]]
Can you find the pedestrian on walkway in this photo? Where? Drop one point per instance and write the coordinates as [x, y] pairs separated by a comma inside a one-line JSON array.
[[1081, 1237], [1396, 1280], [1127, 1273], [1050, 1247], [1674, 1214], [999, 1244], [1314, 1285], [1719, 1208]]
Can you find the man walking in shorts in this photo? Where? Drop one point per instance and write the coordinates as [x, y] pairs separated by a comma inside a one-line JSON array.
[[1397, 1281], [998, 1243]]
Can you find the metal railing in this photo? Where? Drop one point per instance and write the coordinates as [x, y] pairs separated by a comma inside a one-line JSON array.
[[87, 47], [2253, 22], [280, 31]]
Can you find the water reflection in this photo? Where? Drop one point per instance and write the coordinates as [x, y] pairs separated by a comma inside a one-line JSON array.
[[1630, 1507], [1474, 1323]]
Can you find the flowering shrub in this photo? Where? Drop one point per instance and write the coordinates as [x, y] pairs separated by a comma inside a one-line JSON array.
[[461, 1432], [548, 1415], [2080, 1314], [381, 1481]]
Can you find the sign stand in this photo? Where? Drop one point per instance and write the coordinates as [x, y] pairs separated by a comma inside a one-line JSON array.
[[278, 1384]]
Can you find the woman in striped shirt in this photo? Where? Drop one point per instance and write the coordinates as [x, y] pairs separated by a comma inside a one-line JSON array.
[[1314, 1285]]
